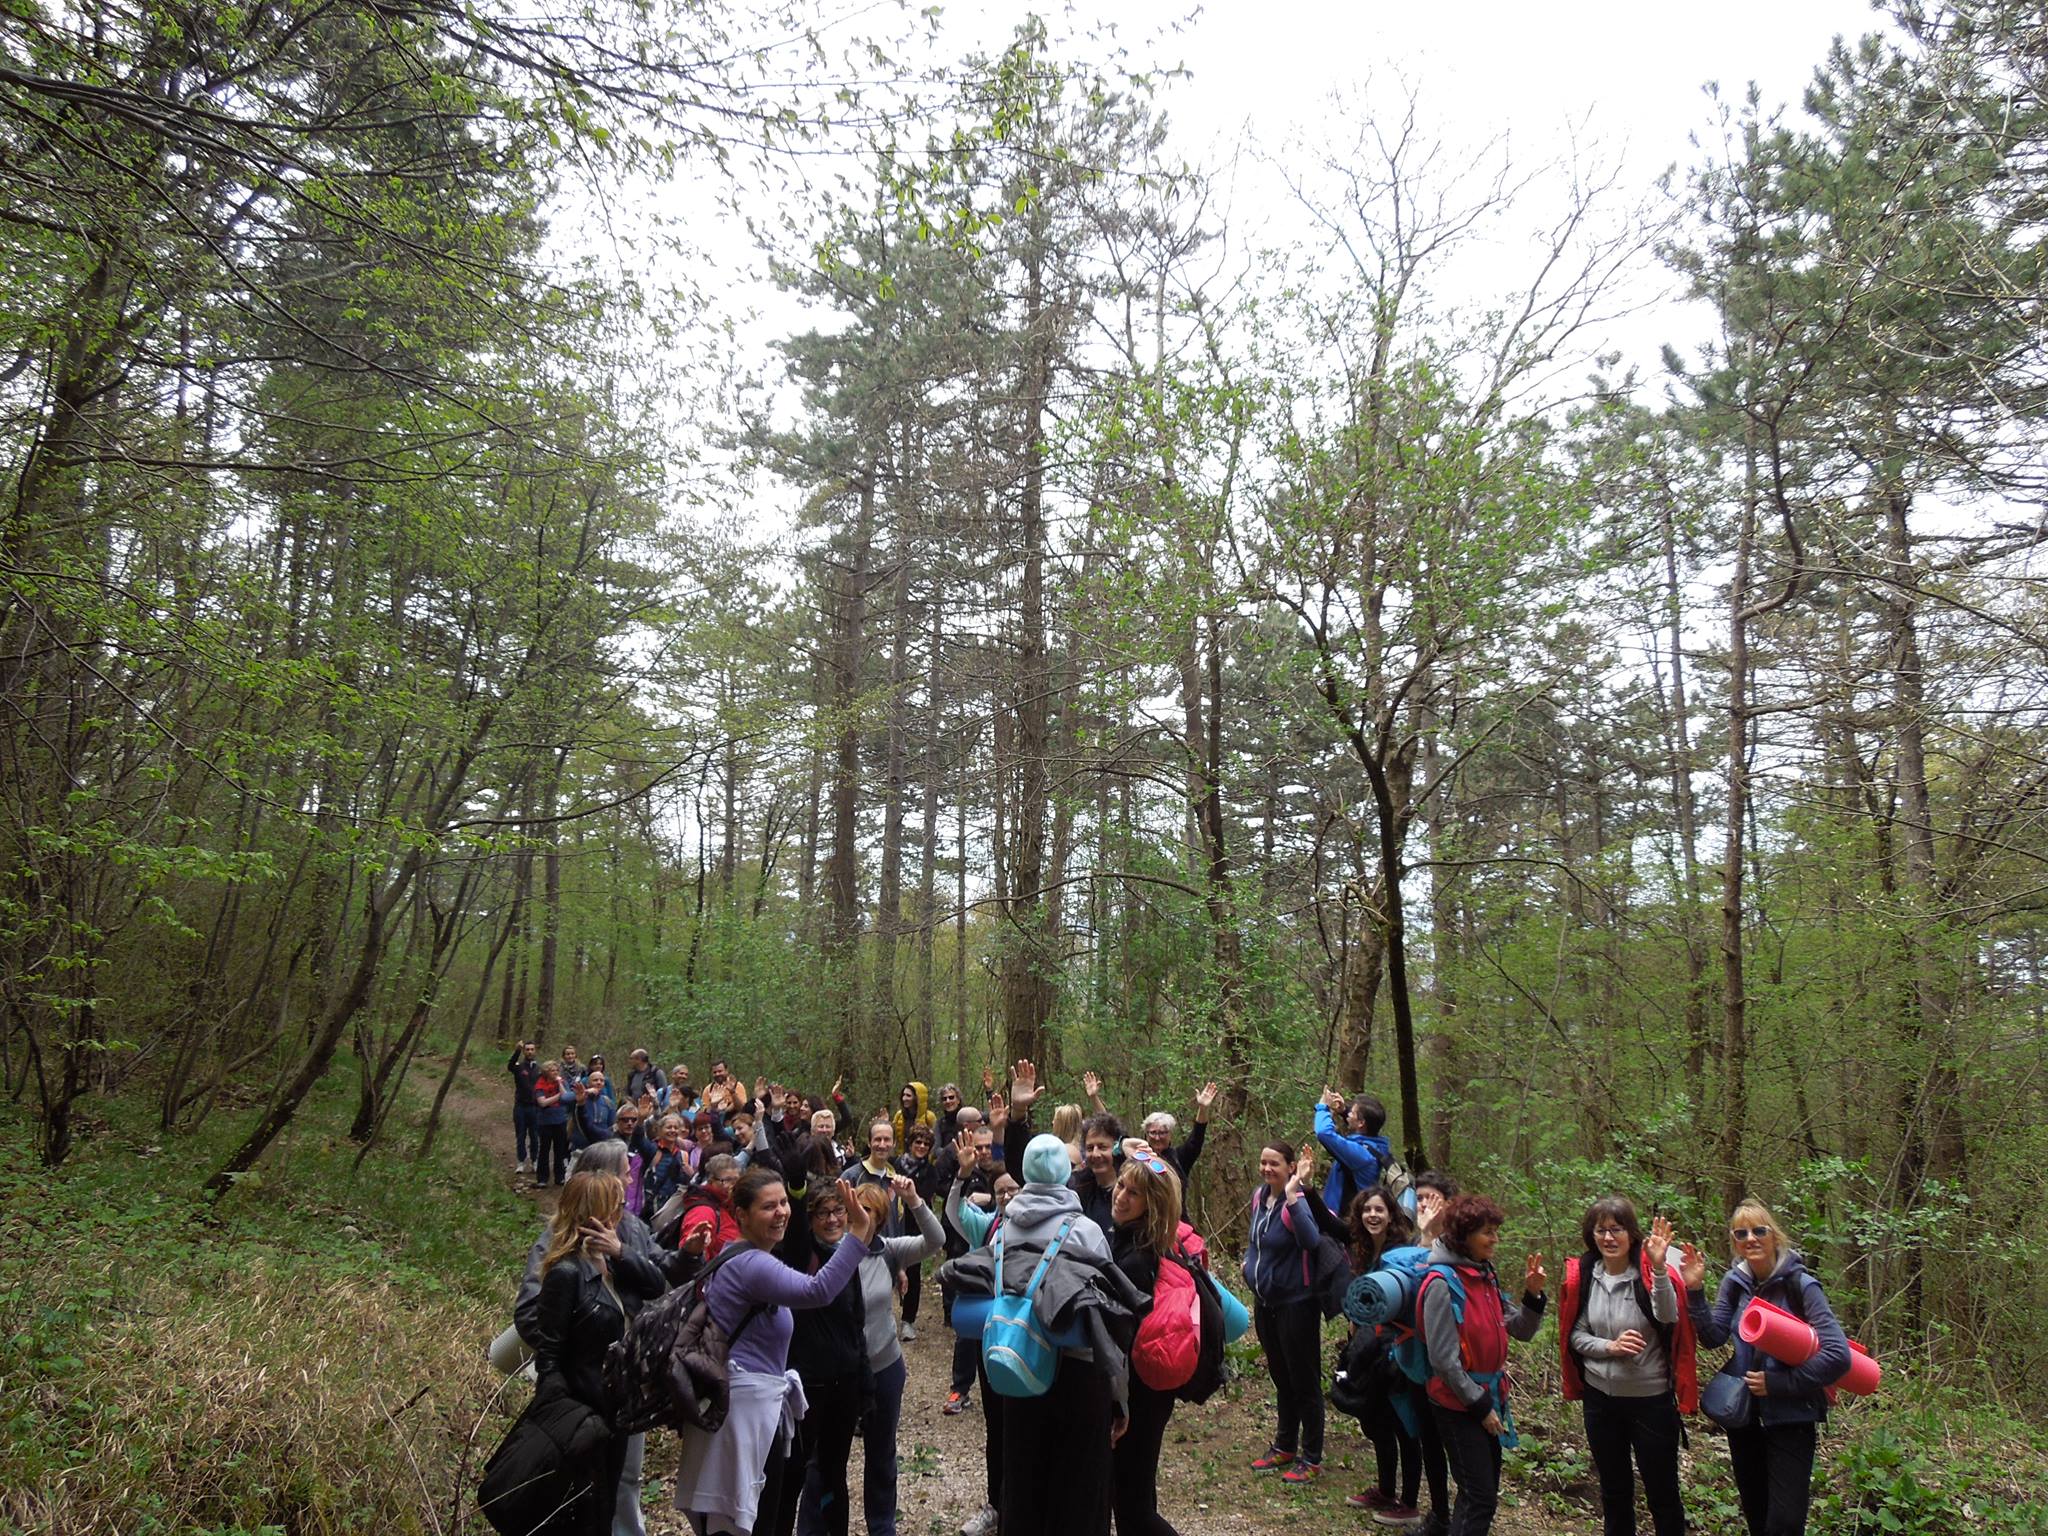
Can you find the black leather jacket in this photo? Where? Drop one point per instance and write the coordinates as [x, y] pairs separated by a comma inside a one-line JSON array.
[[579, 1319]]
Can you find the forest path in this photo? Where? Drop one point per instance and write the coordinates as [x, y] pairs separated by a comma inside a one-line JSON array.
[[1204, 1489]]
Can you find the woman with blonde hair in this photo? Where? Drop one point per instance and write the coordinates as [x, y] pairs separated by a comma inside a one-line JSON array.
[[582, 1312], [1066, 1124], [1145, 1212], [1772, 1455]]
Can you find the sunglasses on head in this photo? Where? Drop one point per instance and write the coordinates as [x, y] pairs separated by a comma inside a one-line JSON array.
[[1741, 1234], [1150, 1164]]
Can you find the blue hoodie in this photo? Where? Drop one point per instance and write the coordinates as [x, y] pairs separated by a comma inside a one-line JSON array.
[[1355, 1161], [1279, 1256], [1797, 1394]]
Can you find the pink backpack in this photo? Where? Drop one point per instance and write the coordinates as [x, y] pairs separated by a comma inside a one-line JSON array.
[[1169, 1341]]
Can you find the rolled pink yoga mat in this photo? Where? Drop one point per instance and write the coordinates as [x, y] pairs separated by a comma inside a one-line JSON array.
[[1790, 1341]]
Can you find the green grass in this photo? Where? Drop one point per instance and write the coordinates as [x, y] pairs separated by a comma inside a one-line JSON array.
[[306, 1357]]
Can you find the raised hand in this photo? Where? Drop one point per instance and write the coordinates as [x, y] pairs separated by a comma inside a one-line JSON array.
[[1332, 1100], [1205, 1096], [1304, 1170], [697, 1239], [1091, 1084], [1534, 1276], [998, 1114], [1658, 1244], [904, 1189], [760, 1088], [965, 1149], [1023, 1085], [988, 1079], [1692, 1267], [860, 1221]]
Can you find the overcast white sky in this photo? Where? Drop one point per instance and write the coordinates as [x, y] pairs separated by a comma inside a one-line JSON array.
[[1601, 78]]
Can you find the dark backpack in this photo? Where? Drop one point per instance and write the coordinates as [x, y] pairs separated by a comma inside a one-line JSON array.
[[542, 1466], [671, 1366], [1208, 1375]]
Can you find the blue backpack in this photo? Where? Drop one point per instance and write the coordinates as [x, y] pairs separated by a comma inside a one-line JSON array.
[[1385, 1298], [1016, 1351]]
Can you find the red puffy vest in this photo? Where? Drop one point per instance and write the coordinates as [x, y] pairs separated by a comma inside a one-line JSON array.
[[1681, 1350]]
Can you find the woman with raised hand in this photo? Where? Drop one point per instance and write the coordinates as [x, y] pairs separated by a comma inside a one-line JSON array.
[[1627, 1353], [586, 1279], [1466, 1322], [889, 1258], [1772, 1456], [1145, 1209], [1279, 1260], [729, 1479], [1378, 1226]]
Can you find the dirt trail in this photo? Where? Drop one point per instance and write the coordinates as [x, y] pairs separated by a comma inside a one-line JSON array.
[[1204, 1488]]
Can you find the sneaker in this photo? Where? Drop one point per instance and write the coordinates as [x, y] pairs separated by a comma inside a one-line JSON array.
[[1397, 1514], [519, 1167], [956, 1402], [1371, 1498], [983, 1522], [907, 1333], [1273, 1460], [1302, 1472]]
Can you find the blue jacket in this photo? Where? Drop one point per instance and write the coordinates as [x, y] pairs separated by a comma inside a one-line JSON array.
[[1279, 1256], [599, 1115], [1795, 1394], [1355, 1161]]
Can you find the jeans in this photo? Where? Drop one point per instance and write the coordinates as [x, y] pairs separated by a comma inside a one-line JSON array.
[[1474, 1456], [525, 1132], [1647, 1428], [626, 1517], [1291, 1334], [1774, 1475], [878, 1450]]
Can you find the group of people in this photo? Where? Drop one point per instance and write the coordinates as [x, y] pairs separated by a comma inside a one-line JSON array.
[[1632, 1316], [807, 1243]]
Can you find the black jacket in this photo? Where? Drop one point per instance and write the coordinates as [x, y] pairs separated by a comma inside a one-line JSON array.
[[578, 1320], [524, 1075]]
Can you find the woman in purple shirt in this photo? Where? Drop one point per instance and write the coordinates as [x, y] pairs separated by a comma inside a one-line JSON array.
[[726, 1478]]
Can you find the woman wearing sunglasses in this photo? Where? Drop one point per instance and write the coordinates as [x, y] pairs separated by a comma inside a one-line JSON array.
[[1145, 1215], [1772, 1456]]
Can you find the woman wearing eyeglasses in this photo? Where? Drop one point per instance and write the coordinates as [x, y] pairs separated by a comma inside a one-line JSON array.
[[1145, 1216], [1627, 1347], [1772, 1457]]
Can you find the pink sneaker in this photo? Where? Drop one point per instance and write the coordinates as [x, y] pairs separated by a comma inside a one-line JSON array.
[[1371, 1498], [1273, 1461]]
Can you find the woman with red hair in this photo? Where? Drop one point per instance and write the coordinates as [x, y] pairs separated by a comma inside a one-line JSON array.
[[1466, 1324]]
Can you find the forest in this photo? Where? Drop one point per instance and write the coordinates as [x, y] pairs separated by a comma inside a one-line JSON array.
[[1085, 635]]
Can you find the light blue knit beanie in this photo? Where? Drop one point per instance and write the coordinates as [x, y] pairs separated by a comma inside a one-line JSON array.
[[1046, 1161]]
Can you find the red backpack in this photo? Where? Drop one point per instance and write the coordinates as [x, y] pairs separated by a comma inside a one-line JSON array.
[[1169, 1338]]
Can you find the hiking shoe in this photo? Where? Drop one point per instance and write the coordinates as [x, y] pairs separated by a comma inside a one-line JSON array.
[[1371, 1498], [1302, 1472], [1397, 1514], [1273, 1461], [983, 1522], [956, 1402], [907, 1333]]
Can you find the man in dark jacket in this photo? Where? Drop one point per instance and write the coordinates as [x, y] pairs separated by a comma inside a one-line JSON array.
[[645, 1076]]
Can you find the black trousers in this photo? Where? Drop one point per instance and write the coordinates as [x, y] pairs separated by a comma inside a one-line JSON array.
[[1774, 1475], [831, 1424], [1474, 1456], [1435, 1468], [1291, 1334], [1134, 1465], [1398, 1455], [992, 1432], [1647, 1429], [1058, 1445], [913, 1295], [554, 1149]]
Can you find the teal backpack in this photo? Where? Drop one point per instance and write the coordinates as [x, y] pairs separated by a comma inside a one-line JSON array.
[[1016, 1351]]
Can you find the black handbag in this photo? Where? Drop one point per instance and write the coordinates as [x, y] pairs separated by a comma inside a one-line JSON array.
[[1727, 1400]]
